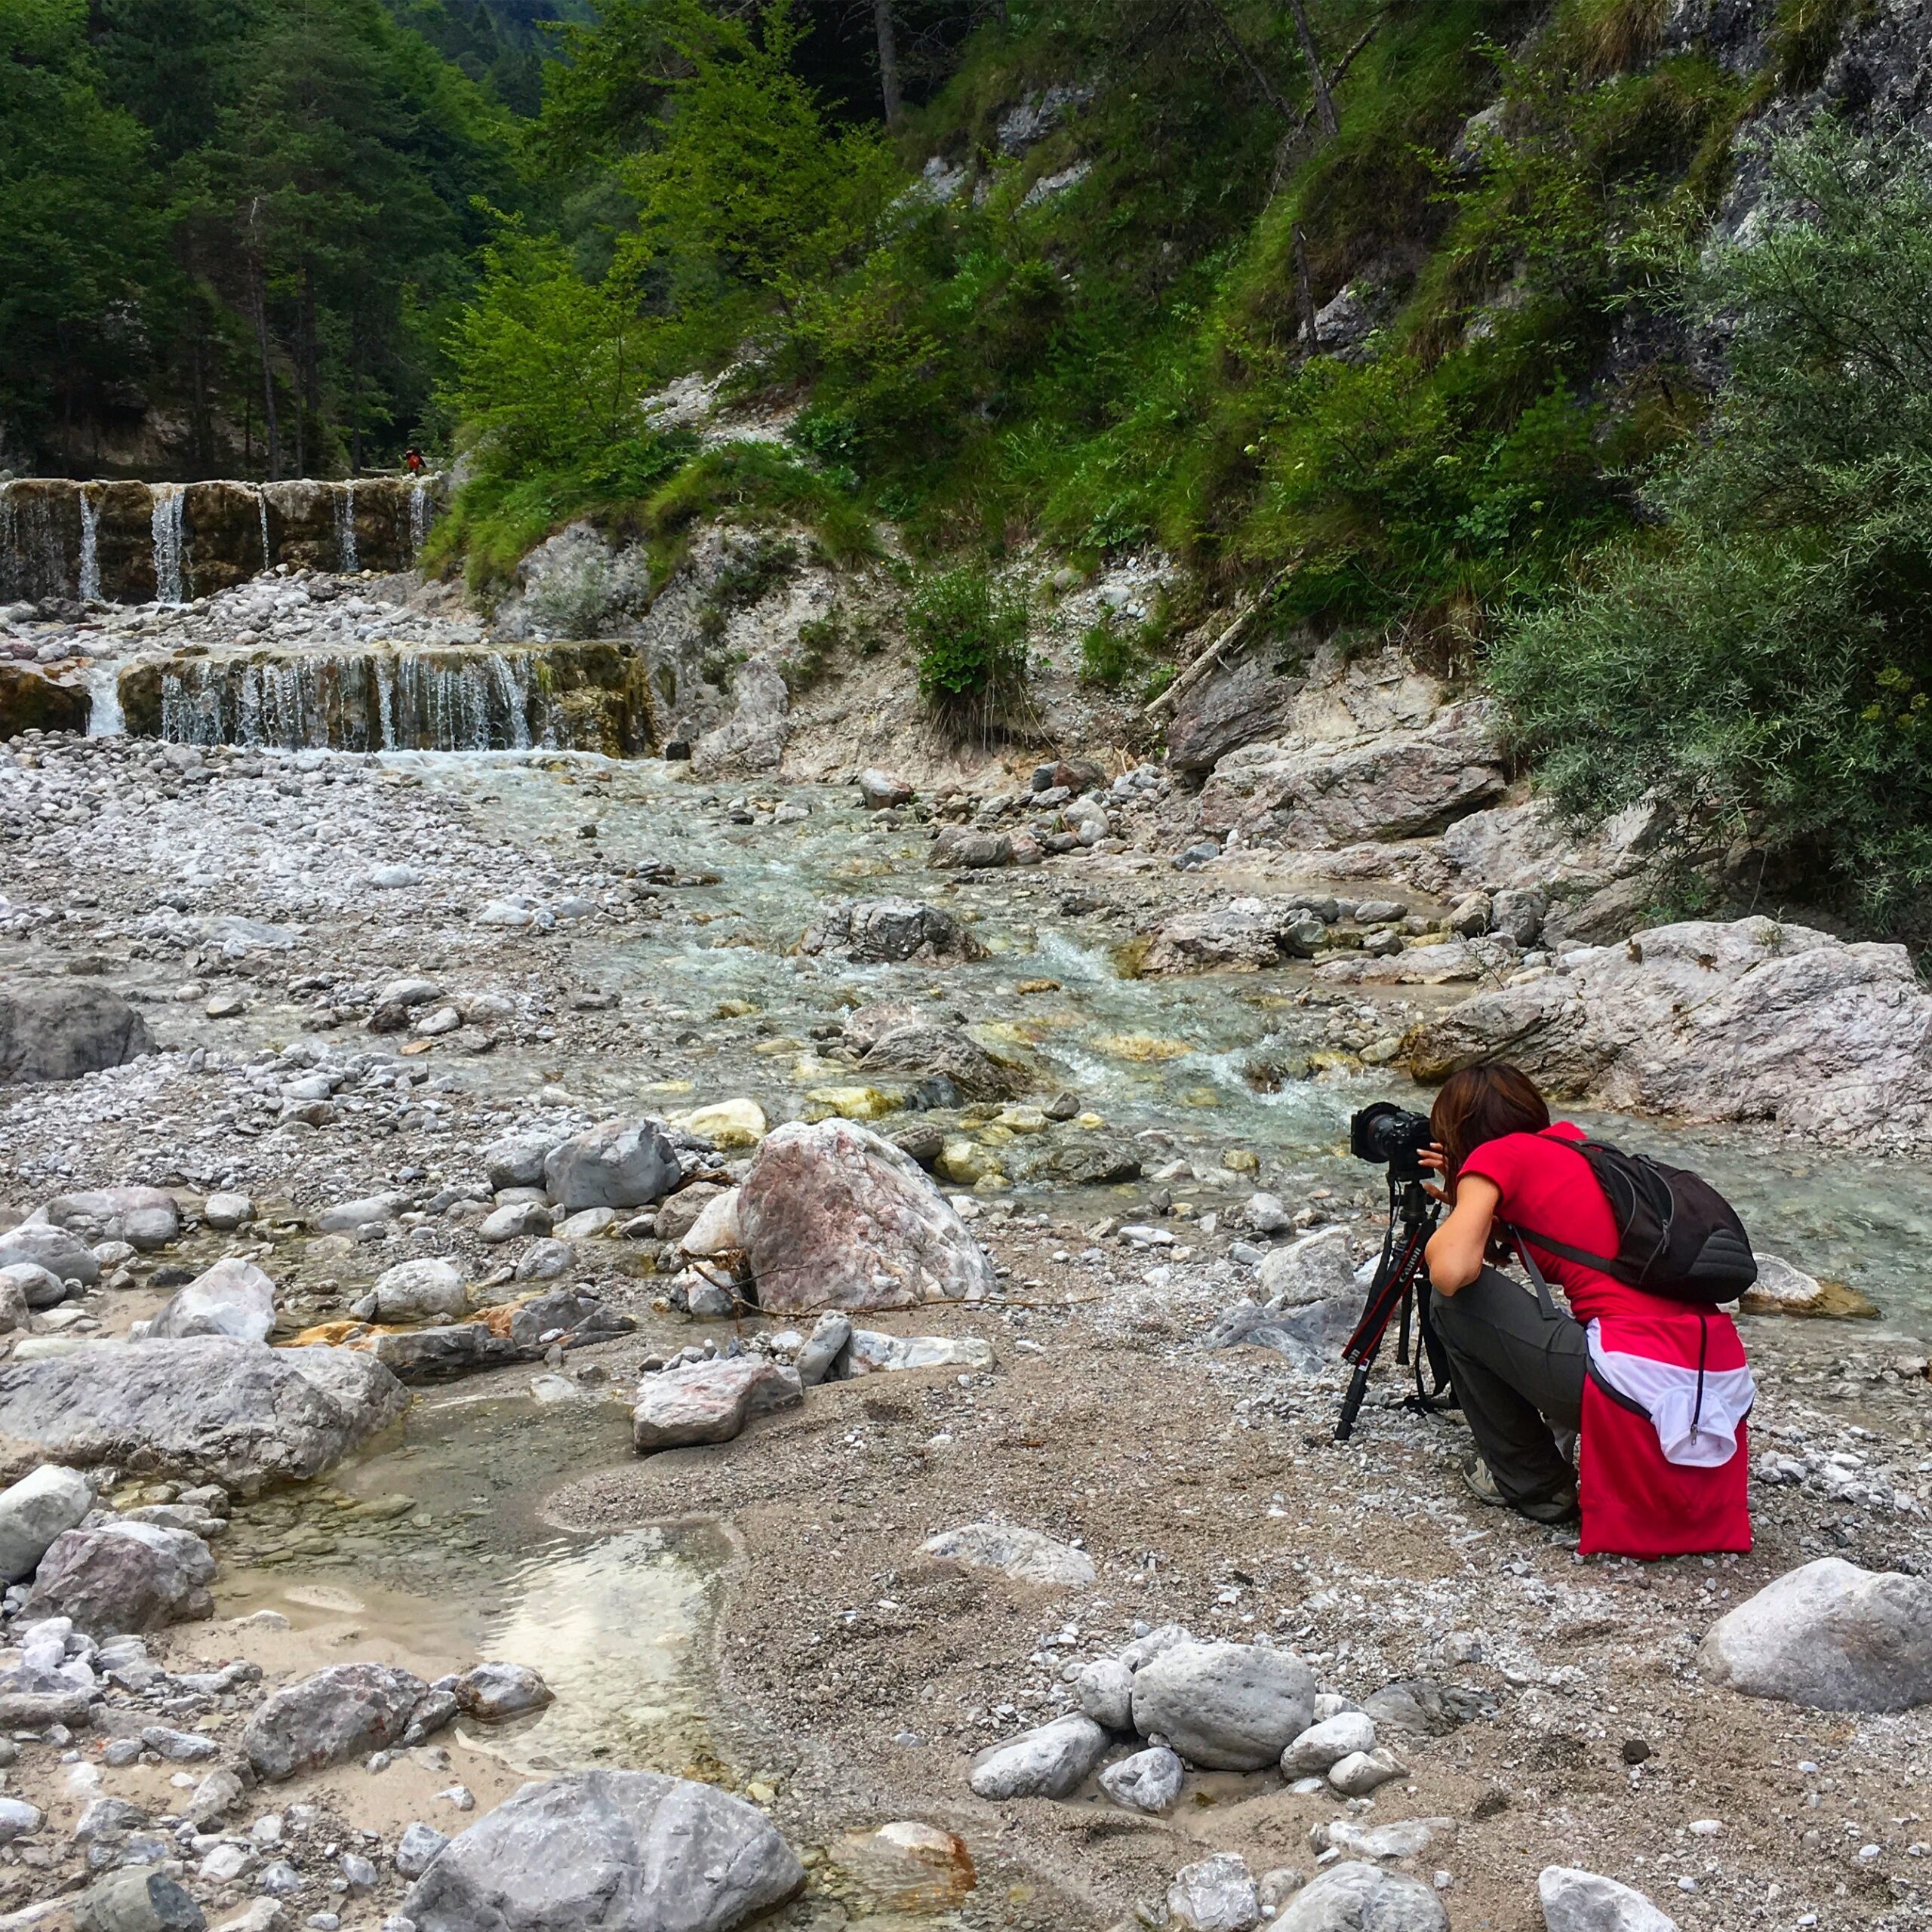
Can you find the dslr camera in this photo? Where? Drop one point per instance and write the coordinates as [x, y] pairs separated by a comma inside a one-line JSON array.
[[1388, 1136]]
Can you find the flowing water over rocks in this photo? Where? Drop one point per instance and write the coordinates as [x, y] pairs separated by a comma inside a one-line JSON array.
[[382, 988]]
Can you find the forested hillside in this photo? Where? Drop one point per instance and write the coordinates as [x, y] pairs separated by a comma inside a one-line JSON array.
[[1578, 346]]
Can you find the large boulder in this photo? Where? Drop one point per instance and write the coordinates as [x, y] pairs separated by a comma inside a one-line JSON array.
[[234, 1298], [31, 701], [608, 1851], [1243, 936], [122, 1576], [1830, 1636], [1317, 796], [833, 1216], [1575, 1901], [35, 1510], [709, 1402], [884, 931], [1244, 698], [1750, 1020], [1356, 1897], [617, 1163], [234, 1412], [61, 1032], [343, 1711], [1229, 1707], [138, 1898], [950, 1052]]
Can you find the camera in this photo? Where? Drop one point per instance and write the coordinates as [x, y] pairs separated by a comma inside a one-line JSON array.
[[1391, 1137]]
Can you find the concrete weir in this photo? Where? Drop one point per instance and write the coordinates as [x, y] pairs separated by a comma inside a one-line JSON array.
[[128, 542], [592, 696]]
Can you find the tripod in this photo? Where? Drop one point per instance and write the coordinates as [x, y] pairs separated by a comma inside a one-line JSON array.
[[1394, 1292]]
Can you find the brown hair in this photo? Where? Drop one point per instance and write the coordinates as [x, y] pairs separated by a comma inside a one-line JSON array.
[[1483, 1103]]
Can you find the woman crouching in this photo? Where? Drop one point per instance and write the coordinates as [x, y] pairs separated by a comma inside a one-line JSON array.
[[1657, 1388]]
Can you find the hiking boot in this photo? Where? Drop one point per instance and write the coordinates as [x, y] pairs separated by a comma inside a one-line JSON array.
[[1559, 1509]]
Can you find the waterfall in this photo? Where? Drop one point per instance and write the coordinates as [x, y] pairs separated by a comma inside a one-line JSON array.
[[418, 516], [33, 557], [89, 579], [262, 505], [165, 520], [345, 529], [104, 715], [511, 677]]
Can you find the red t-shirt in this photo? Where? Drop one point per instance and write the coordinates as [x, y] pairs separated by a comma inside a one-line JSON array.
[[1550, 1187]]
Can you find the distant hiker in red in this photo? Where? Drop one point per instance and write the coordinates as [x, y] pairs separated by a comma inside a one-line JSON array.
[[1653, 1378], [412, 459]]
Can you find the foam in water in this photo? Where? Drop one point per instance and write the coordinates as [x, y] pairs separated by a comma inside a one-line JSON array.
[[104, 715], [345, 529], [89, 579], [165, 520]]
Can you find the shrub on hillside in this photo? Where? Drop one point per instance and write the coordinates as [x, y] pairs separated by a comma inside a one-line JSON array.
[[971, 636], [1766, 663]]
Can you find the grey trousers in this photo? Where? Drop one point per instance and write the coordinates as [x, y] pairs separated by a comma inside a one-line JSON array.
[[1517, 1370]]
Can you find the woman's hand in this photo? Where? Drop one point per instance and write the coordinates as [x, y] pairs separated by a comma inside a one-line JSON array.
[[1432, 1158]]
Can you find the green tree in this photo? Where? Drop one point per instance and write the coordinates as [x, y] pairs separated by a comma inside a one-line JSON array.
[[1765, 664]]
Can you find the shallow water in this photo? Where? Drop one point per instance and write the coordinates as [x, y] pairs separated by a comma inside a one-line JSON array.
[[1216, 1062]]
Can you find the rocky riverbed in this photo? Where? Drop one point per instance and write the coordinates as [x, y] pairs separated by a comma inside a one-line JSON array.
[[1042, 1084]]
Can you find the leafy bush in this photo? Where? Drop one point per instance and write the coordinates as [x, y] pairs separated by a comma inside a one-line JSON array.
[[971, 636], [1765, 665]]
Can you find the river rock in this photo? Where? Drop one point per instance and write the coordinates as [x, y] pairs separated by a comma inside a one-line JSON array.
[[1215, 1894], [1356, 1897], [137, 1898], [1232, 1707], [1782, 1289], [1244, 698], [949, 1052], [866, 1025], [345, 1711], [1830, 1636], [1360, 1772], [871, 1352], [575, 1315], [517, 1160], [224, 1213], [1325, 1745], [513, 1222], [1315, 796], [969, 848], [715, 1232], [494, 1691], [144, 1217], [546, 1260], [234, 1412], [349, 1217], [419, 1291], [608, 1851], [1243, 936], [61, 1032], [41, 1244], [623, 1163], [679, 1212], [233, 1298], [443, 1350], [884, 931], [1317, 1268], [1104, 1689], [1149, 1781], [709, 1402], [834, 1216], [819, 1357], [418, 1849], [124, 1577], [880, 790], [1026, 1555], [35, 1511], [25, 1286], [1052, 1761], [1575, 1901], [727, 1124], [1752, 1020]]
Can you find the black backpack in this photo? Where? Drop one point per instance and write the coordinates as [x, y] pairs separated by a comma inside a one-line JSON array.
[[1676, 1236]]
